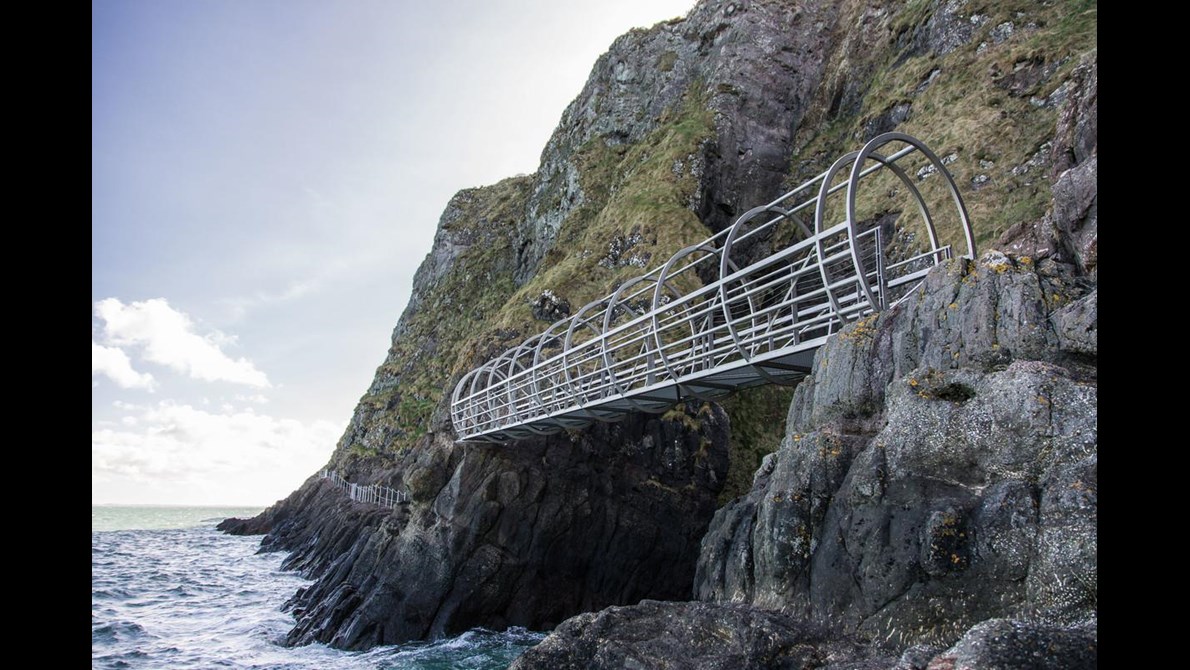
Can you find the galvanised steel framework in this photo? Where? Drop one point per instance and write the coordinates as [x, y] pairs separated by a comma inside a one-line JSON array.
[[736, 310]]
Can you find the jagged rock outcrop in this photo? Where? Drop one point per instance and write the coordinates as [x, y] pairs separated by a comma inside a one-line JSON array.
[[1012, 645], [694, 636], [755, 63], [939, 471], [940, 467], [706, 636], [937, 486], [522, 535]]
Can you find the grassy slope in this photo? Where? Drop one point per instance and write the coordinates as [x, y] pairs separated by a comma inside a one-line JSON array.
[[983, 103], [476, 312], [437, 333]]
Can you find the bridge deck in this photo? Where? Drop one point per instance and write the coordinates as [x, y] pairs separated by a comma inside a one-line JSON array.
[[722, 314]]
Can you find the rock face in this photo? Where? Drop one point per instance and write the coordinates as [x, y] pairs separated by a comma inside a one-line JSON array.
[[1069, 230], [939, 471], [524, 535], [756, 63], [1002, 643], [705, 636], [936, 491], [938, 468], [693, 636]]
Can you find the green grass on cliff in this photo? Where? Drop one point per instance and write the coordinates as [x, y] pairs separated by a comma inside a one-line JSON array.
[[631, 191], [757, 427], [396, 411], [476, 312], [990, 102]]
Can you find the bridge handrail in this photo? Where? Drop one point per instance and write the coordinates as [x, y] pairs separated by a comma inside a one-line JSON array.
[[375, 494], [835, 274]]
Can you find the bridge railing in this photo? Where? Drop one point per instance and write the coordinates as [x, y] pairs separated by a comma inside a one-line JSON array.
[[374, 494], [782, 278]]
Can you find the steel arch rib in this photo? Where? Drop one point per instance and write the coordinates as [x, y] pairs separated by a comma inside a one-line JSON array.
[[525, 347], [725, 263], [662, 277], [819, 212], [609, 315], [662, 280], [568, 343], [852, 226], [960, 206], [535, 377]]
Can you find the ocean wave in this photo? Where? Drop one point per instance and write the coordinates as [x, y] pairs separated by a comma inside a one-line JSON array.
[[117, 631], [113, 592], [197, 599], [476, 649]]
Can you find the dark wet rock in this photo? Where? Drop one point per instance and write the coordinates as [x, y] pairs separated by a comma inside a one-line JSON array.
[[1077, 325], [1076, 212], [257, 525], [280, 520], [939, 469], [1018, 645], [523, 534], [695, 636]]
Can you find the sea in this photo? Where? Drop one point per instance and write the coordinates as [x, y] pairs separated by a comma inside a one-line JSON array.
[[170, 591]]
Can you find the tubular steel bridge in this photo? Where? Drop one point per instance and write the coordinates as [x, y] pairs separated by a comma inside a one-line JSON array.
[[739, 309]]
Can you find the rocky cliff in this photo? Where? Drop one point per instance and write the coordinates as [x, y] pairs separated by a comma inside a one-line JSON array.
[[934, 501], [525, 536], [936, 470]]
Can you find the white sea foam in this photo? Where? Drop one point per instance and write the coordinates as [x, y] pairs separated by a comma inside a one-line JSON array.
[[183, 595]]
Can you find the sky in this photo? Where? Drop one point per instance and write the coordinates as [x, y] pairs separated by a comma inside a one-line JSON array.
[[266, 176]]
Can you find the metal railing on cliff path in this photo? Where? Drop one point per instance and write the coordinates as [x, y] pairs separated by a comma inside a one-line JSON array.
[[739, 309], [372, 493]]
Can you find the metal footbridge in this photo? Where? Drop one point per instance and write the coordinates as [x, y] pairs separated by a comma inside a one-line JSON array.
[[747, 306]]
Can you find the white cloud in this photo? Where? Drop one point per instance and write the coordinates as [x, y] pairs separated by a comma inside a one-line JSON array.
[[190, 455], [255, 397], [167, 337], [116, 365]]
